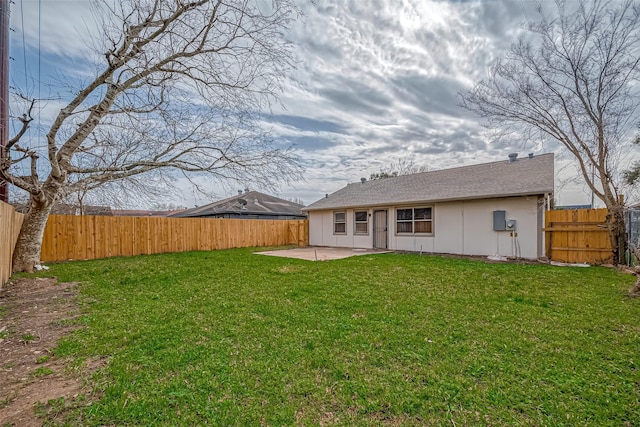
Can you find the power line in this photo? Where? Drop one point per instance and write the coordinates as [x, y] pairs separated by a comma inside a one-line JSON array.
[[4, 90], [39, 54], [24, 46], [39, 74], [29, 133], [524, 11], [537, 4]]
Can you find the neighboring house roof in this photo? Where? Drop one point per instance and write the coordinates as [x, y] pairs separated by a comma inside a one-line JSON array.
[[248, 203], [571, 207], [138, 212], [525, 176], [72, 209]]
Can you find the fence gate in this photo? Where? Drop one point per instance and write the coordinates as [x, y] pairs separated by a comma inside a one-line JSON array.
[[633, 232], [578, 236], [299, 232]]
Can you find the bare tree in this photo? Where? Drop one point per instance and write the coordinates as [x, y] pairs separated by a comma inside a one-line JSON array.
[[167, 206], [401, 167], [632, 175], [297, 200], [576, 82], [144, 188], [178, 88]]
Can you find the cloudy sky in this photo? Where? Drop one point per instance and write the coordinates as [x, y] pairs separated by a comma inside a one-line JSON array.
[[377, 81]]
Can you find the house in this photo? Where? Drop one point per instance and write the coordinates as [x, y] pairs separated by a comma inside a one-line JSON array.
[[247, 205], [485, 209], [142, 212], [71, 209]]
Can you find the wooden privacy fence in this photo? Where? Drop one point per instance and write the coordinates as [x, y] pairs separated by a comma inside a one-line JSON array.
[[10, 222], [578, 236], [68, 237]]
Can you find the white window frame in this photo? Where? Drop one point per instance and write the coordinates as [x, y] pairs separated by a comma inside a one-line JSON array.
[[413, 221], [365, 222], [337, 222]]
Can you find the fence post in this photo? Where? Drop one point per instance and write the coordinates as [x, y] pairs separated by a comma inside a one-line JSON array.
[[549, 239], [10, 223]]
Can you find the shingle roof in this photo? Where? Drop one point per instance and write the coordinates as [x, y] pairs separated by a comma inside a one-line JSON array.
[[525, 176], [140, 212], [72, 209], [249, 203]]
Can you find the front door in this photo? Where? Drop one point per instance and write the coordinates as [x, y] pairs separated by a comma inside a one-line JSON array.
[[380, 229]]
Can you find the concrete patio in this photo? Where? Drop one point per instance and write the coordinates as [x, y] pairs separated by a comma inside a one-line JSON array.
[[322, 253]]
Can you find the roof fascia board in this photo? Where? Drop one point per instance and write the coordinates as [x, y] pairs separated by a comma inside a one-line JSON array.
[[407, 203]]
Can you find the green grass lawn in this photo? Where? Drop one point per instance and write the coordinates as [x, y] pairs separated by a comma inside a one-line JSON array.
[[233, 338]]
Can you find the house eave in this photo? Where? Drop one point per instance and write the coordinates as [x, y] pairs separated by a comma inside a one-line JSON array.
[[243, 213], [428, 201]]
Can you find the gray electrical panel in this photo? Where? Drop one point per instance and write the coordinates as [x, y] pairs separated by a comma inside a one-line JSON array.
[[499, 221]]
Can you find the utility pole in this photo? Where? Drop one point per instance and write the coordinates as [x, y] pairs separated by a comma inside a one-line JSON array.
[[4, 91]]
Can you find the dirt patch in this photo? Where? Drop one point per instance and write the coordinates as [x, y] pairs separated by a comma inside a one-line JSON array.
[[34, 314]]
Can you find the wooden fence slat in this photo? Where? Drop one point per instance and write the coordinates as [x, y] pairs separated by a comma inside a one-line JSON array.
[[581, 248], [69, 237], [578, 236], [90, 237], [10, 223], [572, 229]]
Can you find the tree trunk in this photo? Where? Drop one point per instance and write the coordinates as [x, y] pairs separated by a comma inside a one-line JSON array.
[[617, 232], [635, 290], [29, 244]]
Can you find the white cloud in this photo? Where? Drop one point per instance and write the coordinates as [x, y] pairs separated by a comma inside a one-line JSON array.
[[377, 81], [59, 27]]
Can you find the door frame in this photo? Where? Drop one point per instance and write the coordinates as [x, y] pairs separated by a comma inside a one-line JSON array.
[[376, 243]]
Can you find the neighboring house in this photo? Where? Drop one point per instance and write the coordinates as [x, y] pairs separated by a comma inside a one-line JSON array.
[[486, 209], [138, 212], [70, 209], [571, 207], [247, 205]]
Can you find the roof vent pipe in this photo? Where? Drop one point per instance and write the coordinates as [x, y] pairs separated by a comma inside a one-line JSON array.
[[326, 196], [239, 192], [531, 155], [363, 180], [513, 157]]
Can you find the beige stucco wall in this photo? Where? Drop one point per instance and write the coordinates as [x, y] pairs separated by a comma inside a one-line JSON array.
[[321, 232], [463, 227]]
